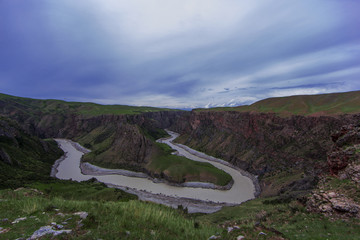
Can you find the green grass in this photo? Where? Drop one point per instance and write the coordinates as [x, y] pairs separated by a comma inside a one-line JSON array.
[[328, 104], [86, 190], [346, 187], [279, 180], [290, 221], [106, 220], [180, 169]]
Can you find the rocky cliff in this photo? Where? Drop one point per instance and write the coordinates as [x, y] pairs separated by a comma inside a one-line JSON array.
[[287, 153], [338, 195], [344, 157], [117, 140]]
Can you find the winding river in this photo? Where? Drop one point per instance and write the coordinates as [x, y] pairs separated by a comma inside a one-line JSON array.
[[242, 190]]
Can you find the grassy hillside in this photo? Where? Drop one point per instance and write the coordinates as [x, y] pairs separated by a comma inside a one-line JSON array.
[[24, 158], [35, 106], [329, 104], [180, 169], [161, 163], [108, 218]]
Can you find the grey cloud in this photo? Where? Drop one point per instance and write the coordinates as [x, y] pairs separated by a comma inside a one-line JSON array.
[[93, 50]]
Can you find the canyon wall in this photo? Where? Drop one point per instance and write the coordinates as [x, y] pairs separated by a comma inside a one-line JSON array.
[[126, 141], [286, 153]]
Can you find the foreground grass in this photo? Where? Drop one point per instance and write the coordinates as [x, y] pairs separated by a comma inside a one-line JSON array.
[[115, 216], [107, 219], [280, 221]]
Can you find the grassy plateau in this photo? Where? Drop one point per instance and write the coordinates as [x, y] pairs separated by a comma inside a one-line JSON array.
[[49, 106], [324, 104]]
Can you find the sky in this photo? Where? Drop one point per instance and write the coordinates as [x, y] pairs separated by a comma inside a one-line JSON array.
[[178, 53]]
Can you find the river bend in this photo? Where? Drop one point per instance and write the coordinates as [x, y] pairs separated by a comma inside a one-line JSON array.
[[242, 190]]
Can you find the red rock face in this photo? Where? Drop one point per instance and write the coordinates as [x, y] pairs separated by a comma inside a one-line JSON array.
[[262, 143], [345, 150]]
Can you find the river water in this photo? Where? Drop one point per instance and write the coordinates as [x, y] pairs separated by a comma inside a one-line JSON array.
[[242, 190]]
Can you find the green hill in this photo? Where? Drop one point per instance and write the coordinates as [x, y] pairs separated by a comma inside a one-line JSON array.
[[34, 106], [322, 104]]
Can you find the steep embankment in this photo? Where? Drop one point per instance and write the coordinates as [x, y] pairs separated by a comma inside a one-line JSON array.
[[338, 195], [286, 152], [120, 136], [118, 141], [24, 158]]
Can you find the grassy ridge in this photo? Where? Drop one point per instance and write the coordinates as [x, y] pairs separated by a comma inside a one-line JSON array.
[[31, 106], [180, 169], [332, 104]]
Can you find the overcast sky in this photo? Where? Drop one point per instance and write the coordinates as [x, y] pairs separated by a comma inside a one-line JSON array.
[[178, 53]]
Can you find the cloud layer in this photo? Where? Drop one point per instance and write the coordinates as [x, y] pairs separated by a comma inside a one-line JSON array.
[[183, 54]]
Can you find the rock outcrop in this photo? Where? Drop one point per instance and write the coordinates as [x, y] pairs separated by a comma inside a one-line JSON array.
[[333, 204], [344, 157]]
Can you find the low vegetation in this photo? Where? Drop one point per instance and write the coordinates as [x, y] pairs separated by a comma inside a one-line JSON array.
[[345, 187], [267, 218], [106, 219], [90, 190]]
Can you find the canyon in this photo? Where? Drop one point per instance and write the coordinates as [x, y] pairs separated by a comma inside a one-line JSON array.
[[306, 164], [286, 153]]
